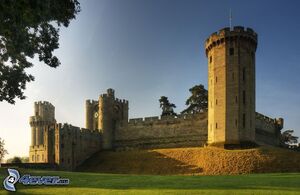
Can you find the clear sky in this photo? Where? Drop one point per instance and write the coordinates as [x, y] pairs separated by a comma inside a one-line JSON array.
[[148, 48]]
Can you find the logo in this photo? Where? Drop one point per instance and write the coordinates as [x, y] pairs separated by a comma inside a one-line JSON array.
[[14, 176], [11, 179]]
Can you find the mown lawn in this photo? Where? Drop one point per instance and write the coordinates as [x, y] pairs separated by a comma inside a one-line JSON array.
[[96, 183]]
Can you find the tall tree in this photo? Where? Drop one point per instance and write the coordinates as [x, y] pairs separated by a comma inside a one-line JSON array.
[[167, 107], [29, 28], [287, 138], [2, 149], [197, 102]]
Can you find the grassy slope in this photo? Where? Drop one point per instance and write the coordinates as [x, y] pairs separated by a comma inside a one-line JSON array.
[[194, 161], [95, 183]]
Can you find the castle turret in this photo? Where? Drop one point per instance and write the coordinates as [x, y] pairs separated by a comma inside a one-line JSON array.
[[42, 139], [44, 115], [111, 112], [231, 86], [91, 114]]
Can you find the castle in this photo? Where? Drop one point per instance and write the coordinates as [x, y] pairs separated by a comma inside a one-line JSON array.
[[231, 118]]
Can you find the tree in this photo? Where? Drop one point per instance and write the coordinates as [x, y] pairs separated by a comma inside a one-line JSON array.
[[167, 107], [15, 159], [29, 28], [2, 149], [287, 139], [197, 102]]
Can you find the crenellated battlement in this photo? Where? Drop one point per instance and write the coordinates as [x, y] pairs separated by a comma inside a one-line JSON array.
[[227, 34], [73, 129], [43, 103], [121, 101], [91, 102], [165, 119], [261, 119]]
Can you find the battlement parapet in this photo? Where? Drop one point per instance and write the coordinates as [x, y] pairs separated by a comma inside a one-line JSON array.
[[227, 34], [162, 119], [37, 120], [43, 103], [37, 147], [75, 130], [265, 118], [276, 122], [121, 101], [91, 102]]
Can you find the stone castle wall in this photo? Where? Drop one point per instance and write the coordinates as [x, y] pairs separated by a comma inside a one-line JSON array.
[[267, 130], [183, 131], [73, 145], [168, 131]]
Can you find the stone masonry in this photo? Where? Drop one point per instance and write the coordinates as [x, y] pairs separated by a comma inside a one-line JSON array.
[[231, 117]]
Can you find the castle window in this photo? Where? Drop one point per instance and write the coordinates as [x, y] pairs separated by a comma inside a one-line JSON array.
[[231, 51], [210, 59], [244, 97], [216, 101], [236, 99], [236, 123], [216, 125], [216, 79], [244, 120], [244, 74]]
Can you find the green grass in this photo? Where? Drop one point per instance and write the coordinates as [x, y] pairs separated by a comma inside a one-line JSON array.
[[96, 183]]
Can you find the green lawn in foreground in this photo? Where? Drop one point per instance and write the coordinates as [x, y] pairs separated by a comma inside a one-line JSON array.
[[95, 183]]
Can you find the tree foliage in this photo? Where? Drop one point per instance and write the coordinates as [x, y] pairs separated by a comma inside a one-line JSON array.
[[167, 107], [29, 28], [287, 138], [2, 149], [17, 159], [197, 102]]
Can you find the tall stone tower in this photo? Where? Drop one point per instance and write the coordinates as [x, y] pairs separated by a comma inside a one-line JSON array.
[[105, 114], [44, 117], [231, 86], [111, 112]]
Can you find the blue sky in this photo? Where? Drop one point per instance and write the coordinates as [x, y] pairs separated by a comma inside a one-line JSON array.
[[148, 48]]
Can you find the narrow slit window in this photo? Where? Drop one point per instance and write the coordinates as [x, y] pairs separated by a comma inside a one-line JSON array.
[[216, 79], [244, 97], [216, 125], [216, 101], [244, 74], [244, 120], [236, 123], [236, 99], [231, 51]]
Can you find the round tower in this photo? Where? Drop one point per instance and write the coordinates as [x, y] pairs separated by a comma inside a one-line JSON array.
[[43, 116], [231, 86]]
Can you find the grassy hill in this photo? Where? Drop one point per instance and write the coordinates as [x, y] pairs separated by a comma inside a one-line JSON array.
[[194, 161]]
